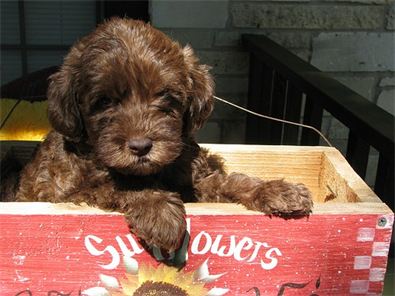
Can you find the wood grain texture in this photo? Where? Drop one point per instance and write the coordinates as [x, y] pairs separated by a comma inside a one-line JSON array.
[[274, 162], [321, 169]]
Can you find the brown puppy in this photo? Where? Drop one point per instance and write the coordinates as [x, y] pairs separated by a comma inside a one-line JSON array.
[[124, 107]]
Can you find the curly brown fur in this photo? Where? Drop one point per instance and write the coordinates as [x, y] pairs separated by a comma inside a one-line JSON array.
[[124, 107]]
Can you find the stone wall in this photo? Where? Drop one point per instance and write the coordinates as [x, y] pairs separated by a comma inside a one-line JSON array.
[[352, 40]]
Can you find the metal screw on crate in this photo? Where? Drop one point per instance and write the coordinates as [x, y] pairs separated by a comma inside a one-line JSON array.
[[382, 222]]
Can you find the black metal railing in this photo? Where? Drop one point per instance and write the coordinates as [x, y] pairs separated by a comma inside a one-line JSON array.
[[279, 82]]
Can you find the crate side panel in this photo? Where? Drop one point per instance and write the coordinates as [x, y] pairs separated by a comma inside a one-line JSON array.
[[338, 173], [322, 254], [333, 187]]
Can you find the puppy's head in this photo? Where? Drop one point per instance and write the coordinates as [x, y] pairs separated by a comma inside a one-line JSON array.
[[132, 94]]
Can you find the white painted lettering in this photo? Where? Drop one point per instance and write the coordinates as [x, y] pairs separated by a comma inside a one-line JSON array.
[[95, 252], [242, 249], [244, 244], [196, 243], [274, 261], [220, 251], [258, 245], [134, 248]]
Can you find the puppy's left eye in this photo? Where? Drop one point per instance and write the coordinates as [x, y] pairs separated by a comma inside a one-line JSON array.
[[162, 93], [101, 104]]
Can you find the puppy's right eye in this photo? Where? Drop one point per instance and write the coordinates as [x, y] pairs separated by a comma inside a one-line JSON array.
[[101, 104]]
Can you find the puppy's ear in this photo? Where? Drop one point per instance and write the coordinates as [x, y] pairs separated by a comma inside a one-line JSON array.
[[200, 94], [63, 112]]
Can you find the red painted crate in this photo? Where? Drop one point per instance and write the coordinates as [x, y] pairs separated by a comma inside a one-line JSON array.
[[340, 249]]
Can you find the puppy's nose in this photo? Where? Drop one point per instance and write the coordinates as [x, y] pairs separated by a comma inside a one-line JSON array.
[[140, 146]]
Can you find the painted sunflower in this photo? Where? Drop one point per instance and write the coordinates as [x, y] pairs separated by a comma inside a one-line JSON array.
[[160, 281]]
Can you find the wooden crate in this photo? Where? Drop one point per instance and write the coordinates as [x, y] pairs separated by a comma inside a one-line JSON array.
[[340, 249]]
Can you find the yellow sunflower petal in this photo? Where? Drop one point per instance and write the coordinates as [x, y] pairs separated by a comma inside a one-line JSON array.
[[129, 284], [164, 274]]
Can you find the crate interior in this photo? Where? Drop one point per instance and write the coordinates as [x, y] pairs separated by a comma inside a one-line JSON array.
[[323, 170]]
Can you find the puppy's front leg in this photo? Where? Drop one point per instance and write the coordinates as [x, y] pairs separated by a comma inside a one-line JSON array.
[[271, 197], [156, 216]]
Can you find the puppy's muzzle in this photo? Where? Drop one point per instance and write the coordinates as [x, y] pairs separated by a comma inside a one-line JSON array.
[[140, 146]]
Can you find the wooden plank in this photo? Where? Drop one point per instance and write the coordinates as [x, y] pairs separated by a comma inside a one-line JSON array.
[[242, 148], [199, 209], [357, 153], [292, 113], [312, 116]]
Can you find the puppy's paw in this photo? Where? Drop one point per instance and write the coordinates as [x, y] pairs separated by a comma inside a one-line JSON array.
[[159, 220], [282, 198]]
